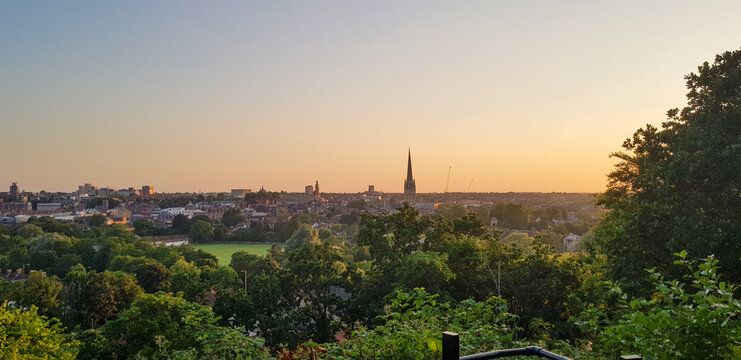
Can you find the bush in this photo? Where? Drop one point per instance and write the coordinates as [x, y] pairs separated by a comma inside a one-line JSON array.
[[698, 319], [413, 326]]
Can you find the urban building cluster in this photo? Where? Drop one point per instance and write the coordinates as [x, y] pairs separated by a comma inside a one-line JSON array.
[[125, 206]]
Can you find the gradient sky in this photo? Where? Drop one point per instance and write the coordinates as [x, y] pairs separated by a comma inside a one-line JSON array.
[[197, 95]]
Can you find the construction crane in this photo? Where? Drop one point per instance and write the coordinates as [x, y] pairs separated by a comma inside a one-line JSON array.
[[469, 185], [448, 183]]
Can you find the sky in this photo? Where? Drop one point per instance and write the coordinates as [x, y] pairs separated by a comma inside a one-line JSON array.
[[209, 96]]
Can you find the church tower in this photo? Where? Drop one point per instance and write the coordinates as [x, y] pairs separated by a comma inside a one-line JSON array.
[[410, 187]]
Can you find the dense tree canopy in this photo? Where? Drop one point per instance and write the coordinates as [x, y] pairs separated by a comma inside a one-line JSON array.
[[26, 335], [677, 187]]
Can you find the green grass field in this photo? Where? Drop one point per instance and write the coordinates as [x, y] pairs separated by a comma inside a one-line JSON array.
[[224, 252]]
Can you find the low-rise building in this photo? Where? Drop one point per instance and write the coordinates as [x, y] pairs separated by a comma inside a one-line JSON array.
[[45, 207], [240, 193]]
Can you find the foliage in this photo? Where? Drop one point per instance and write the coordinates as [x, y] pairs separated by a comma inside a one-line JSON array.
[[26, 335], [39, 291], [677, 187], [143, 227], [186, 278], [92, 298], [413, 324], [512, 216], [201, 231], [698, 320], [164, 326], [232, 217], [310, 274], [424, 269], [451, 211], [305, 235], [96, 220], [150, 273], [29, 231], [253, 265]]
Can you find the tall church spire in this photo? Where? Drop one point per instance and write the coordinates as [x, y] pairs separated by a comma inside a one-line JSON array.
[[410, 187]]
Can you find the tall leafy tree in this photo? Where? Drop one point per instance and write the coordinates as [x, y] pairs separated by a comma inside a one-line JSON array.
[[91, 298], [201, 231], [678, 186], [306, 235], [313, 276], [39, 291]]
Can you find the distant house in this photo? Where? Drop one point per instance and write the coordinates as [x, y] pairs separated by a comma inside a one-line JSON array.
[[425, 208], [571, 243], [41, 207], [11, 275]]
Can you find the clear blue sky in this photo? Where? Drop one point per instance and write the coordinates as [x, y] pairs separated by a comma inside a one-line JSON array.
[[195, 95]]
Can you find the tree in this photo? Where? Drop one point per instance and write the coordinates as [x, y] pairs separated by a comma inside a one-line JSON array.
[[197, 256], [519, 240], [306, 235], [186, 278], [310, 274], [201, 231], [222, 278], [232, 217], [18, 257], [39, 291], [166, 326], [150, 273], [97, 220], [512, 216], [451, 211], [538, 287], [253, 264], [93, 298], [424, 269], [29, 231], [677, 187], [390, 238], [143, 227], [27, 335], [221, 233], [180, 222]]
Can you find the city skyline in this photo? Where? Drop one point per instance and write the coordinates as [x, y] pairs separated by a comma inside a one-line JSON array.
[[188, 96]]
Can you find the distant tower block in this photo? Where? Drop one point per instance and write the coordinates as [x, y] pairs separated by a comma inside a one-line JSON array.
[[309, 190], [371, 189], [14, 190], [410, 187], [147, 190]]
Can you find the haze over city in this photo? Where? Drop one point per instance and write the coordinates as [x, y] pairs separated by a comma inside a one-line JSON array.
[[196, 96]]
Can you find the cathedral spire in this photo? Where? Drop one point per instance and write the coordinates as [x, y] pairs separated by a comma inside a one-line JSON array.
[[410, 187], [409, 166]]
